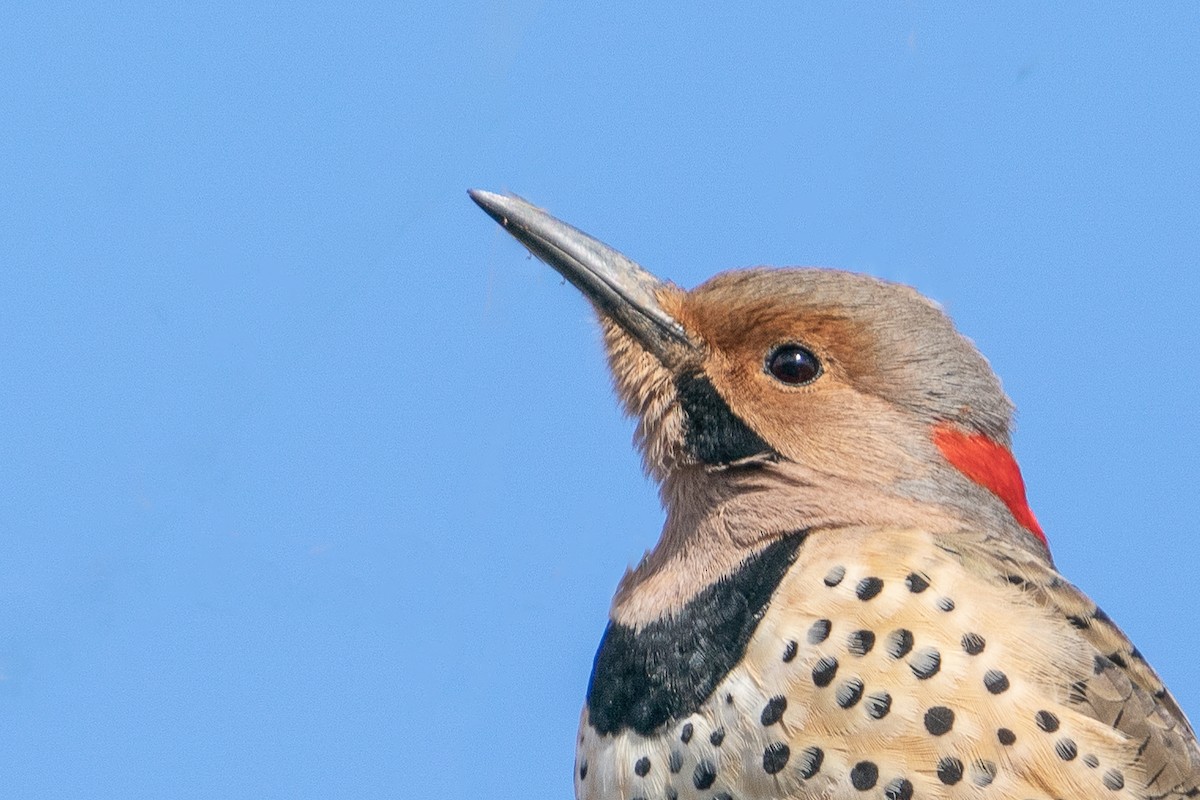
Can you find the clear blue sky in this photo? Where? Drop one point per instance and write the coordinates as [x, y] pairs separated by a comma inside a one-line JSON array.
[[311, 482]]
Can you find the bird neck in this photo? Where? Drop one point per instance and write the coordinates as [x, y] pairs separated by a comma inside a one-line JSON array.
[[719, 519]]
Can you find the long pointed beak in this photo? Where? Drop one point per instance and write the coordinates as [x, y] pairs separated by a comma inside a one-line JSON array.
[[616, 285]]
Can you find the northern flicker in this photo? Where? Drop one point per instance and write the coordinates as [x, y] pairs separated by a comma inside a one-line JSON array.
[[850, 597]]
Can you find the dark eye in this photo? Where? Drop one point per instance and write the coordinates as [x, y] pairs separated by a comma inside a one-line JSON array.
[[793, 365]]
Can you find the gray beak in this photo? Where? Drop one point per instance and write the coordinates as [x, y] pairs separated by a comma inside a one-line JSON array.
[[618, 287]]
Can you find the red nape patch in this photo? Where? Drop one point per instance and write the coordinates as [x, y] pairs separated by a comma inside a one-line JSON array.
[[993, 467]]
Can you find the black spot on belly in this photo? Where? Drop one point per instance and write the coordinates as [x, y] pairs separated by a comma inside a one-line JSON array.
[[849, 693], [704, 775], [1046, 721], [712, 432], [899, 643], [925, 663], [996, 681], [809, 762], [950, 770], [864, 775], [824, 671], [773, 711], [642, 679], [973, 643], [868, 588], [819, 631], [775, 757], [1066, 749], [861, 642], [916, 582], [983, 772], [939, 720], [878, 705], [899, 789]]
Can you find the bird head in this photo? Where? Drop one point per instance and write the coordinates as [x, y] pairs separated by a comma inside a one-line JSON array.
[[774, 400]]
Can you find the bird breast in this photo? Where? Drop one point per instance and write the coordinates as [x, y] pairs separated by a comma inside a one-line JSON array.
[[882, 664]]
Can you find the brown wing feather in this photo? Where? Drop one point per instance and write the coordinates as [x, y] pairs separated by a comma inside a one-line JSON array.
[[1123, 690]]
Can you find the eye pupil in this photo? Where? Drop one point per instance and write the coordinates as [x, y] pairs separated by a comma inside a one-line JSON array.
[[793, 365]]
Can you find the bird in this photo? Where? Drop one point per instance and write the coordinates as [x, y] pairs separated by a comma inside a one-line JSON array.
[[850, 597]]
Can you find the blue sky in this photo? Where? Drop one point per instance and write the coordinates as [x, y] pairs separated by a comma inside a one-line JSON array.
[[311, 482]]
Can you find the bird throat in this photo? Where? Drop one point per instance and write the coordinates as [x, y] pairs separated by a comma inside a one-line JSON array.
[[992, 466]]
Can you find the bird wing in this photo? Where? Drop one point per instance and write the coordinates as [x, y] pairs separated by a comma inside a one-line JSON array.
[[1123, 691]]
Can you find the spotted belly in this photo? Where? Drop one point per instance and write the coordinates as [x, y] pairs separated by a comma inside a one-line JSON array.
[[867, 676]]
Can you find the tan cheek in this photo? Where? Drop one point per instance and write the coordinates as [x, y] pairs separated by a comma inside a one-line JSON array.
[[828, 426], [851, 437]]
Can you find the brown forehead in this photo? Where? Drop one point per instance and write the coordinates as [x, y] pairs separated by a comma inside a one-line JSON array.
[[742, 321]]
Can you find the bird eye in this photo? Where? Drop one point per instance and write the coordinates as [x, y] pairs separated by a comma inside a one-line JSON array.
[[793, 365]]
